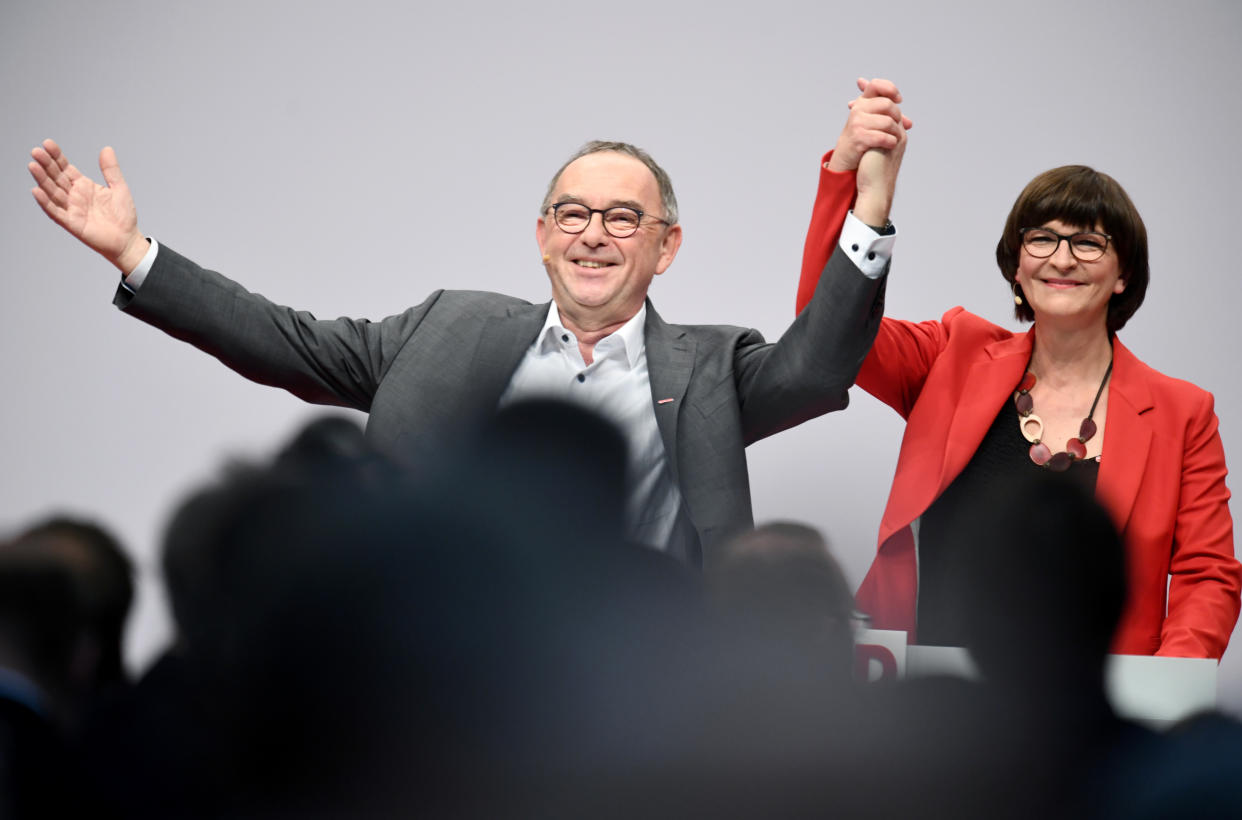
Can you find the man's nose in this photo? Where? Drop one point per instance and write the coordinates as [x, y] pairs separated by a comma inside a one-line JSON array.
[[594, 233]]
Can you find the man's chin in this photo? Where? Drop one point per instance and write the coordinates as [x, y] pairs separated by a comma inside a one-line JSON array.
[[589, 299]]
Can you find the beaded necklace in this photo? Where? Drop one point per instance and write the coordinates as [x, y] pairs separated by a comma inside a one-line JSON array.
[[1032, 426]]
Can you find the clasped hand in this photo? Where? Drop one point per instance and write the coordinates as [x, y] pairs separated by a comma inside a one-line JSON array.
[[873, 143]]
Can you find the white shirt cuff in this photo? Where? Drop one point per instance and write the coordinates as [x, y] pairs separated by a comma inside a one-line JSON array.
[[866, 248], [133, 279]]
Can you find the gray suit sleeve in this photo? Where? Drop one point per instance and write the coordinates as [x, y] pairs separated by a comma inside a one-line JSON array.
[[810, 370], [338, 362]]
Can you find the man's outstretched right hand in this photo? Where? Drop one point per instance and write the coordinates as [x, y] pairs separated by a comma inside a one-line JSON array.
[[103, 217]]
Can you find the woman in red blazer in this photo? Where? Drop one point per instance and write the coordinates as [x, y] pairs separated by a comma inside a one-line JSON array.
[[979, 400]]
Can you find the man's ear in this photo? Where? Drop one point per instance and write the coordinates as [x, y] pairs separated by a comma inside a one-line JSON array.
[[541, 234], [668, 248]]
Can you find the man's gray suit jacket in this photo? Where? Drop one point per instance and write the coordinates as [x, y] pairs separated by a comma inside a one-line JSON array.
[[425, 370]]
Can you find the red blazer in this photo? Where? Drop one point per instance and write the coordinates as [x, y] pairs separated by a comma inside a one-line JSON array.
[[1162, 469]]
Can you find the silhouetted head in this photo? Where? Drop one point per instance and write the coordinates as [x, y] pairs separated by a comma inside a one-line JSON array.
[[103, 578], [782, 574], [1041, 581], [555, 467], [41, 630]]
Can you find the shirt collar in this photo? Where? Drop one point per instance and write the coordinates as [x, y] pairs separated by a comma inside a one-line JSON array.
[[631, 333]]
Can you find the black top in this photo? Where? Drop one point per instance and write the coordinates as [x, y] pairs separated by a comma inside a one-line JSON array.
[[1002, 453]]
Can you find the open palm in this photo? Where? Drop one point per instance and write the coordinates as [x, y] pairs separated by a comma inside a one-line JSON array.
[[103, 217]]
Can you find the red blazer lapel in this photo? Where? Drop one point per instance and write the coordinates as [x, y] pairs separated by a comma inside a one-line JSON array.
[[1127, 437], [976, 383], [989, 384]]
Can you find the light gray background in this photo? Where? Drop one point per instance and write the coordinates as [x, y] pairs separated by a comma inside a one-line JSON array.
[[350, 157]]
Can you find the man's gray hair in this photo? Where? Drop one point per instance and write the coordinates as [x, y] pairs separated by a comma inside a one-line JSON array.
[[668, 200]]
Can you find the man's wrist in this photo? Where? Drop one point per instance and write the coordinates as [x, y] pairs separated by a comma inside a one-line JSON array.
[[132, 256], [872, 210], [133, 280]]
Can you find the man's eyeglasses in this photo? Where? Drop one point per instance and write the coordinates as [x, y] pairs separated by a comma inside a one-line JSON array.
[[1042, 243], [620, 222]]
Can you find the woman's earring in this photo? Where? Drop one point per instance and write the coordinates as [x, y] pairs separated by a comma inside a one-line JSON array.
[[1017, 296]]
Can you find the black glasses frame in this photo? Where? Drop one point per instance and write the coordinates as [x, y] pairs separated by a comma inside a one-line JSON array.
[[603, 216], [1068, 239]]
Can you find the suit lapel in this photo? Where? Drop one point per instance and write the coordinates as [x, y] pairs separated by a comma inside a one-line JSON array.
[[502, 344], [670, 361], [1127, 437]]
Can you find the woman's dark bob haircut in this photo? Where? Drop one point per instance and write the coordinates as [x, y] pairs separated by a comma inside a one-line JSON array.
[[1083, 198]]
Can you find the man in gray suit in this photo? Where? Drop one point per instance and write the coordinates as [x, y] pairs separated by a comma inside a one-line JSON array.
[[689, 398]]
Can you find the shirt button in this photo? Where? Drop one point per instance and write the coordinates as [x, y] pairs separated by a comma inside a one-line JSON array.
[[581, 377], [854, 247], [565, 337], [871, 255]]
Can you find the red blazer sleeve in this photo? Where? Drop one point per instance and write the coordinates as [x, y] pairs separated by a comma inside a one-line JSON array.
[[901, 358], [1205, 577], [904, 352], [833, 201]]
